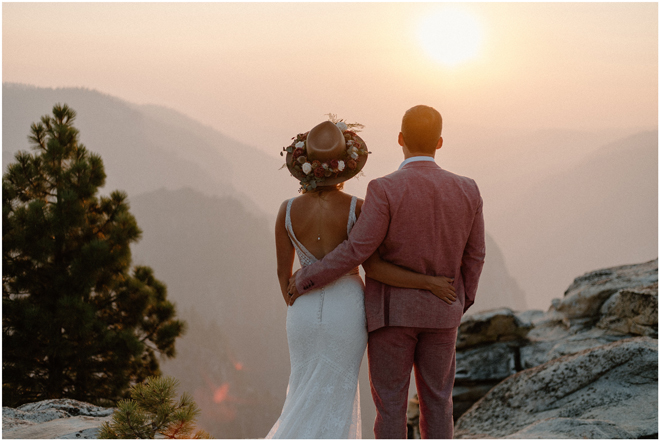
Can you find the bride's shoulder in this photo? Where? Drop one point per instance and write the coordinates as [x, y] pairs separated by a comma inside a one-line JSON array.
[[358, 204], [282, 211]]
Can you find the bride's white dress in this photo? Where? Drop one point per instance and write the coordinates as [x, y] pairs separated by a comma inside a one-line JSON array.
[[327, 333]]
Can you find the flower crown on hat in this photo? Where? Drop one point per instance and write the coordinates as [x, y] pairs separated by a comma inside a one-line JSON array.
[[316, 173]]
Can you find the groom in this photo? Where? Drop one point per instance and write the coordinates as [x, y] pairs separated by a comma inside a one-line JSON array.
[[428, 220]]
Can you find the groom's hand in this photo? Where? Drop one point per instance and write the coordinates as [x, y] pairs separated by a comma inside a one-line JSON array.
[[442, 288], [292, 290]]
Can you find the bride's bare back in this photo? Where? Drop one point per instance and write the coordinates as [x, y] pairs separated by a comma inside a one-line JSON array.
[[319, 220]]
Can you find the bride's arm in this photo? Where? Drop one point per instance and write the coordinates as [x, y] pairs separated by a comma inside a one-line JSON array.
[[390, 274], [393, 275], [285, 252]]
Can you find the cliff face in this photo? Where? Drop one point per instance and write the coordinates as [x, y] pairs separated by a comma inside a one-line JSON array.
[[585, 368]]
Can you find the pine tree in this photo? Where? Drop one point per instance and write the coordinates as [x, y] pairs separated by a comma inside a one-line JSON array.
[[77, 322], [152, 411]]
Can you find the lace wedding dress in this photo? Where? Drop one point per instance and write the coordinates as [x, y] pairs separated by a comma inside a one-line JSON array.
[[327, 335]]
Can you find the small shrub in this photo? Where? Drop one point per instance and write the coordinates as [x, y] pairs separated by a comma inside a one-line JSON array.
[[153, 410]]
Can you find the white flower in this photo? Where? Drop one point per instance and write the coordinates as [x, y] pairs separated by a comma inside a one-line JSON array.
[[325, 166], [342, 126], [340, 166], [300, 144], [354, 155], [307, 168]]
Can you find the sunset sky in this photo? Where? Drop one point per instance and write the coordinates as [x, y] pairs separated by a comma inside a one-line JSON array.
[[261, 72]]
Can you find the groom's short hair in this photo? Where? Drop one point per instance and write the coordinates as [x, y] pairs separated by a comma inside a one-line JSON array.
[[421, 127]]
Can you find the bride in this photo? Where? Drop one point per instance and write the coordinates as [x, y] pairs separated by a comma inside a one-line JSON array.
[[326, 328]]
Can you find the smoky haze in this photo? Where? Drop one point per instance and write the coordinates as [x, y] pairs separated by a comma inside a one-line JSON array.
[[557, 203]]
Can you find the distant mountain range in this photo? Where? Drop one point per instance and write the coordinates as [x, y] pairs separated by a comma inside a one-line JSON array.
[[602, 211], [147, 147]]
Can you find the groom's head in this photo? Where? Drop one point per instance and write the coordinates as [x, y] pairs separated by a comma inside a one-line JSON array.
[[421, 130]]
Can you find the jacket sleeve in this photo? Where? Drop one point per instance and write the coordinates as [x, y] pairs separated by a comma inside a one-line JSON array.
[[474, 256], [366, 236]]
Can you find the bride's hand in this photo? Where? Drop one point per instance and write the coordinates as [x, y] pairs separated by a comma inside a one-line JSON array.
[[442, 288], [292, 290]]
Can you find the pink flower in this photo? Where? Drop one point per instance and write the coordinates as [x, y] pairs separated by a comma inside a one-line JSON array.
[[351, 164]]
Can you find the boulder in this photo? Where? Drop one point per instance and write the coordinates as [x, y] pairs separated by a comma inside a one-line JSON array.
[[493, 362], [542, 350], [607, 391], [496, 325], [632, 311], [585, 297], [57, 418], [68, 406], [80, 427]]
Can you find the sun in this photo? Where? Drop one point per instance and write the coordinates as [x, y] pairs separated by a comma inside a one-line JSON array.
[[450, 36]]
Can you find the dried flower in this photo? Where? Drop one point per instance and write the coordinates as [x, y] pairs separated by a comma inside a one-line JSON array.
[[351, 164], [302, 159], [340, 165], [307, 168], [319, 172]]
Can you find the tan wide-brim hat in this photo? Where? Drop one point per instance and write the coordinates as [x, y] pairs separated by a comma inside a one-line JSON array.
[[324, 143]]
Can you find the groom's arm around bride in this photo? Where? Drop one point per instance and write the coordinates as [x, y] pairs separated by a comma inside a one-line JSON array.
[[429, 220]]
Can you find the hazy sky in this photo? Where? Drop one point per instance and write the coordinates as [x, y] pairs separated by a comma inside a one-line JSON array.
[[261, 72]]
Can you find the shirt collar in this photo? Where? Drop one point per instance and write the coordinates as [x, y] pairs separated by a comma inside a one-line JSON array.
[[415, 159]]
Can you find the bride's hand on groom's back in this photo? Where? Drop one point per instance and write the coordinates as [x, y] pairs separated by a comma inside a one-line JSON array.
[[442, 288], [292, 289]]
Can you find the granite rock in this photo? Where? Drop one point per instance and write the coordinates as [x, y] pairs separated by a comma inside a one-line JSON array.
[[613, 386], [493, 362], [632, 311], [497, 325], [56, 418], [587, 294]]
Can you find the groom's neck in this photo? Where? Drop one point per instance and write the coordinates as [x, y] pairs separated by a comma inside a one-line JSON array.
[[407, 154]]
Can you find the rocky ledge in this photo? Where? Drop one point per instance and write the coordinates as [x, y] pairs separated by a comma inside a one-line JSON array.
[[586, 368], [50, 419]]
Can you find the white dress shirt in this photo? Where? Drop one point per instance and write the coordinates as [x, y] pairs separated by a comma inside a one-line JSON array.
[[415, 159]]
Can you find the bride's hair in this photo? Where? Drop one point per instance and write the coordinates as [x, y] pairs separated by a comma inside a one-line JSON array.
[[325, 188], [421, 128]]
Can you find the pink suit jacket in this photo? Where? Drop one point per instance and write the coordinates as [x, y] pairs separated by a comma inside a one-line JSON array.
[[422, 218]]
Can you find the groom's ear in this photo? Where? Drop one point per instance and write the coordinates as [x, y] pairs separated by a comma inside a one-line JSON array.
[[439, 145], [401, 141]]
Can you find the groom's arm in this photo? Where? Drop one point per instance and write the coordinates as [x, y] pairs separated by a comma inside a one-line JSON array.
[[473, 256], [366, 236]]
